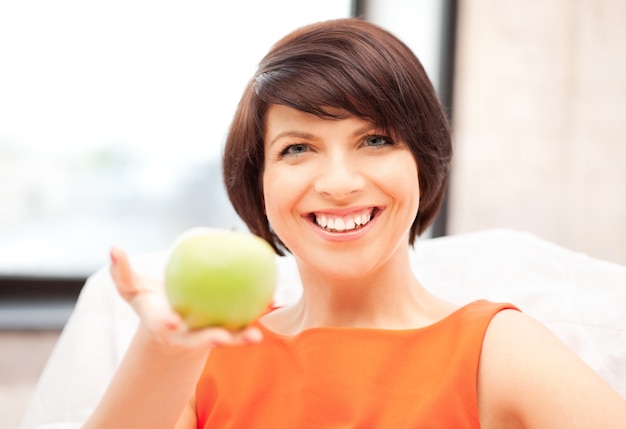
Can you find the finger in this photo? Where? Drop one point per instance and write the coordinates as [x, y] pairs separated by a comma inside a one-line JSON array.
[[214, 337], [122, 274], [251, 335], [157, 313]]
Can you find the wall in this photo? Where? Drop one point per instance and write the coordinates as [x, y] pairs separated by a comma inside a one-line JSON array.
[[540, 122]]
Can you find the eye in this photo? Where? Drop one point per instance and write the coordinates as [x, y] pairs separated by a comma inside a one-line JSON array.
[[378, 141], [295, 149]]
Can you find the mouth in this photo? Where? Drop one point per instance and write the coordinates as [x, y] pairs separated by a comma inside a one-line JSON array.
[[345, 222]]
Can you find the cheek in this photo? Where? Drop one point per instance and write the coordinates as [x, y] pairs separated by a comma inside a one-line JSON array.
[[278, 194], [400, 178]]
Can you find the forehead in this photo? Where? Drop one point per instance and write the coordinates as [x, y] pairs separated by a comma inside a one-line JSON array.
[[281, 111], [283, 120]]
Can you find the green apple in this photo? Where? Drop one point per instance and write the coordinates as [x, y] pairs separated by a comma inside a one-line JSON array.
[[217, 277]]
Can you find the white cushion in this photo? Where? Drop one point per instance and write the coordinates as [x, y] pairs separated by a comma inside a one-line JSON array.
[[580, 298]]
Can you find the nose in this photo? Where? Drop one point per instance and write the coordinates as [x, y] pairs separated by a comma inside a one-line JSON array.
[[339, 177]]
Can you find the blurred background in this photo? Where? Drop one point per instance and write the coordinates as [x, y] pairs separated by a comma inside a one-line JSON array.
[[540, 122], [113, 115]]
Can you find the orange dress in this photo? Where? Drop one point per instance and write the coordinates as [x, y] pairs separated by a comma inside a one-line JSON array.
[[350, 377]]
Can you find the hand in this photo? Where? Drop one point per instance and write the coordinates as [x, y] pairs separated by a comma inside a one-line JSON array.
[[148, 298]]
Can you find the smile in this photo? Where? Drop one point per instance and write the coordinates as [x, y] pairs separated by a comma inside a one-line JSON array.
[[346, 222]]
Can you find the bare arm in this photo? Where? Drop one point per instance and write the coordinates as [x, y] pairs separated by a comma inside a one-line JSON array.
[[150, 388], [530, 379], [157, 377]]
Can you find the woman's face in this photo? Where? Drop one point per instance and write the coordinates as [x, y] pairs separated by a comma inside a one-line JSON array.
[[339, 194]]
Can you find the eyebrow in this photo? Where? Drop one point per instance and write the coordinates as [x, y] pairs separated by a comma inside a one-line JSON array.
[[290, 133], [308, 136]]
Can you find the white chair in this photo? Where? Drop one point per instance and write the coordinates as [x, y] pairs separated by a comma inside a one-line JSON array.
[[583, 300]]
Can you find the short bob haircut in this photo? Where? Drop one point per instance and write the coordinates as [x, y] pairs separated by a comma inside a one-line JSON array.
[[358, 68]]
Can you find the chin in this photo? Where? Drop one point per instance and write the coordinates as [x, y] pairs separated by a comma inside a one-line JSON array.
[[342, 267]]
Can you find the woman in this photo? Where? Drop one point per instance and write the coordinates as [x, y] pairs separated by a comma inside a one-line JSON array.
[[339, 153]]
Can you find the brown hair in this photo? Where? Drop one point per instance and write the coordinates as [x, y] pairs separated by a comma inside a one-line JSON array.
[[350, 65]]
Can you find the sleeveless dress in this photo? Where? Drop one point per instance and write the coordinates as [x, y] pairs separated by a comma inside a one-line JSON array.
[[350, 377]]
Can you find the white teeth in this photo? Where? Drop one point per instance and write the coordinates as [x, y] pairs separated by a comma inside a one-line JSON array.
[[331, 223], [350, 224], [340, 224]]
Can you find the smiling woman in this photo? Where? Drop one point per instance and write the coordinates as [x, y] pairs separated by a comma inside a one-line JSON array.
[[307, 72], [341, 123]]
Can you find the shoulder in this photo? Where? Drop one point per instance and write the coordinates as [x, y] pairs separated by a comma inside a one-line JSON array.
[[526, 373]]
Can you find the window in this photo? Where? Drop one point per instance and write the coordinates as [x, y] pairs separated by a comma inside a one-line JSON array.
[[112, 117]]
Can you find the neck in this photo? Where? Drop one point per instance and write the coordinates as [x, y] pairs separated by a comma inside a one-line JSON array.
[[387, 297]]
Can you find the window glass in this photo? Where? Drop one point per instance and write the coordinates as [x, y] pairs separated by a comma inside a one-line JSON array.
[[112, 118]]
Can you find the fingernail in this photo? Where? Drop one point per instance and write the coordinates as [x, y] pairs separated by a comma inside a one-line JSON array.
[[113, 255], [172, 326]]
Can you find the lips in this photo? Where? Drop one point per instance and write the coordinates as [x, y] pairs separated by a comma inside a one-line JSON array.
[[335, 222]]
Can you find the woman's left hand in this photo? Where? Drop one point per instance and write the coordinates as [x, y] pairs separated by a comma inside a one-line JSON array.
[[148, 298]]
